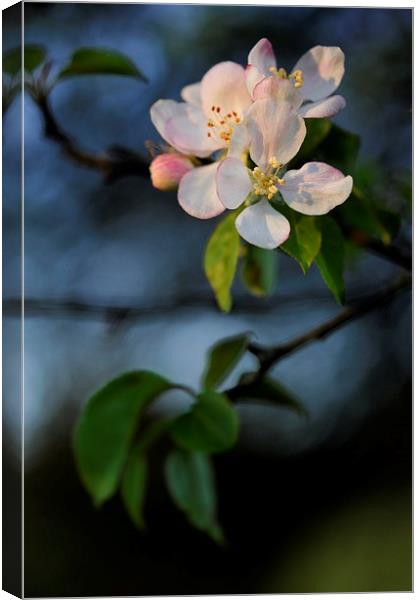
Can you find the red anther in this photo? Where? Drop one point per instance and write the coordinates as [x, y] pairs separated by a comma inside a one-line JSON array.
[[218, 109]]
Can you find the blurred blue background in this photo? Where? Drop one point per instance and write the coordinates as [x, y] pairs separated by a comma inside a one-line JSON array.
[[295, 489]]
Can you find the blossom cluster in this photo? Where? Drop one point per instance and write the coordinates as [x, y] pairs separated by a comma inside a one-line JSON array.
[[234, 133]]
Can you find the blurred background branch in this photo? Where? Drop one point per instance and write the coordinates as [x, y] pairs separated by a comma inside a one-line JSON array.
[[114, 163], [269, 356]]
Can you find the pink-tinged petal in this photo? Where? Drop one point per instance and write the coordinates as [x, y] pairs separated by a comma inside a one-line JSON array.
[[161, 112], [167, 170], [240, 141], [276, 130], [253, 77], [233, 182], [192, 94], [279, 89], [187, 131], [263, 226], [197, 193], [224, 86], [316, 188], [322, 108], [262, 56], [183, 126], [323, 68]]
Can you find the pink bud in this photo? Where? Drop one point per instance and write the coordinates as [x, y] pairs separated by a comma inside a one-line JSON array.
[[168, 169]]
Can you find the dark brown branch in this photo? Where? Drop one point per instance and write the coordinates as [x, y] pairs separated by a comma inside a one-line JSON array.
[[113, 164], [390, 253], [47, 307], [269, 356]]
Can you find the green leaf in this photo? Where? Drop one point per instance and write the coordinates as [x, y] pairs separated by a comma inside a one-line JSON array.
[[259, 269], [191, 484], [317, 131], [271, 391], [305, 238], [330, 260], [222, 359], [220, 260], [96, 61], [33, 57], [211, 425], [133, 487], [106, 428], [340, 149]]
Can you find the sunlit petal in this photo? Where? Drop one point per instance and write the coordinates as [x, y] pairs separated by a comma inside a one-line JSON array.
[[233, 182], [322, 108], [276, 130], [224, 86], [192, 94], [316, 188], [323, 68], [263, 226], [197, 192], [262, 56], [279, 89]]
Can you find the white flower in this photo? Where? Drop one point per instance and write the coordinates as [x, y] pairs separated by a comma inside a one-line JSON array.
[[307, 88], [274, 133], [201, 125]]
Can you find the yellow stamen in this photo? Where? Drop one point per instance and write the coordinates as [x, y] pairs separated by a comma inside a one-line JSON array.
[[296, 76], [222, 126], [266, 183]]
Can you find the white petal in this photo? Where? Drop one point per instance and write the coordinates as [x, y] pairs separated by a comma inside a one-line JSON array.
[[322, 108], [233, 182], [316, 188], [183, 126], [323, 68], [197, 192], [278, 89], [253, 77], [263, 226], [192, 94], [262, 56], [187, 131], [240, 141], [161, 112], [224, 85], [276, 130]]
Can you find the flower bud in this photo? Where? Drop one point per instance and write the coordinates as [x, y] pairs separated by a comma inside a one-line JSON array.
[[168, 169]]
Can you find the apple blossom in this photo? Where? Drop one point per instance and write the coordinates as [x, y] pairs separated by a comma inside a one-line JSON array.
[[309, 85], [201, 125], [167, 170], [274, 134]]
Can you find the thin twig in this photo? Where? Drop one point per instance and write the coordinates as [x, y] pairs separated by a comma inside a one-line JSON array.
[[116, 162], [269, 356]]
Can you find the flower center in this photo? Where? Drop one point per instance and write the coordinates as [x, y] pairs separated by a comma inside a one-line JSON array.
[[222, 126], [265, 183], [296, 76]]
